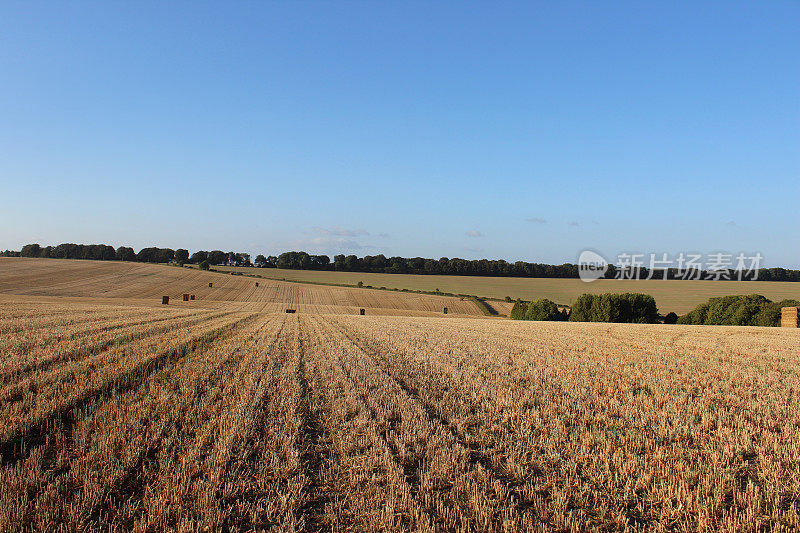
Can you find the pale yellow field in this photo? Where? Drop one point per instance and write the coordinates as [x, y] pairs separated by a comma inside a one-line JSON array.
[[146, 283], [670, 295], [231, 415]]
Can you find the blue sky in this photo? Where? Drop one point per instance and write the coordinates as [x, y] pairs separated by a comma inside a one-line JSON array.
[[524, 131]]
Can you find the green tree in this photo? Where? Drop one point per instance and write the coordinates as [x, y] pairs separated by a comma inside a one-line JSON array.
[[30, 250], [742, 310], [217, 257], [543, 309], [627, 307], [670, 318], [519, 311], [198, 257], [125, 253]]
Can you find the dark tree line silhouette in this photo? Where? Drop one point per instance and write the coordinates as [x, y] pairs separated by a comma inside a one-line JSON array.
[[351, 263]]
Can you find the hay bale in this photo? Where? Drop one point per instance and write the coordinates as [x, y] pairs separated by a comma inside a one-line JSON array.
[[165, 300], [790, 317]]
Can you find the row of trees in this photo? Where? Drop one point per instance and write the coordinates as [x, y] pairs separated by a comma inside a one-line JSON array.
[[628, 307], [218, 257], [745, 310], [351, 263], [103, 252], [483, 267]]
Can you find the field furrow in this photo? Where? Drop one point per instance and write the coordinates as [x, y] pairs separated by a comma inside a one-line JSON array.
[[34, 404]]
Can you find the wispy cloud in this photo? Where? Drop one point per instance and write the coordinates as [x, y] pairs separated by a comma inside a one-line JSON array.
[[327, 244], [574, 224], [474, 233], [383, 235], [731, 223], [341, 232], [536, 220]]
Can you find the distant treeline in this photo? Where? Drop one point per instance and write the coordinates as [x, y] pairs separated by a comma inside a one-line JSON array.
[[103, 252], [746, 310], [351, 263], [477, 267]]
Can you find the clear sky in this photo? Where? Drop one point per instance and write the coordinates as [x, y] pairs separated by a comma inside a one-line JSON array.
[[523, 131]]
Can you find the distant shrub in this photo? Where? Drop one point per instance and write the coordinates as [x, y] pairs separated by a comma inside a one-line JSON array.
[[628, 307], [508, 299], [670, 318], [360, 284], [519, 310], [743, 310], [204, 265], [543, 309]]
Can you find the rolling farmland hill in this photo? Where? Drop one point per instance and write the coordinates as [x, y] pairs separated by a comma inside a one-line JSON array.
[[146, 283], [671, 295]]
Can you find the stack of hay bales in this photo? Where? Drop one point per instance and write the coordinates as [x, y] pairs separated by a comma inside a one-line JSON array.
[[790, 317]]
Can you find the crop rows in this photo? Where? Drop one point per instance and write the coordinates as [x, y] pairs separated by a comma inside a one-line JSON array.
[[138, 284], [181, 419]]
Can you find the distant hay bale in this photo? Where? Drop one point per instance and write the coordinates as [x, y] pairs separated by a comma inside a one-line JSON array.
[[363, 312], [445, 310], [191, 297], [290, 310], [790, 317], [185, 297], [165, 300], [210, 284], [256, 284]]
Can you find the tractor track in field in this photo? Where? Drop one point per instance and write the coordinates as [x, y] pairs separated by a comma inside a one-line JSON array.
[[476, 455], [8, 379], [20, 446], [249, 431], [411, 467], [313, 455], [132, 485]]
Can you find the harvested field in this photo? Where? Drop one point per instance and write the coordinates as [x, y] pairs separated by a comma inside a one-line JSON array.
[[671, 295], [188, 419], [143, 284]]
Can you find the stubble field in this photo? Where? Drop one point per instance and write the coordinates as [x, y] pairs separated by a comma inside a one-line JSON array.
[[145, 418], [670, 295]]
